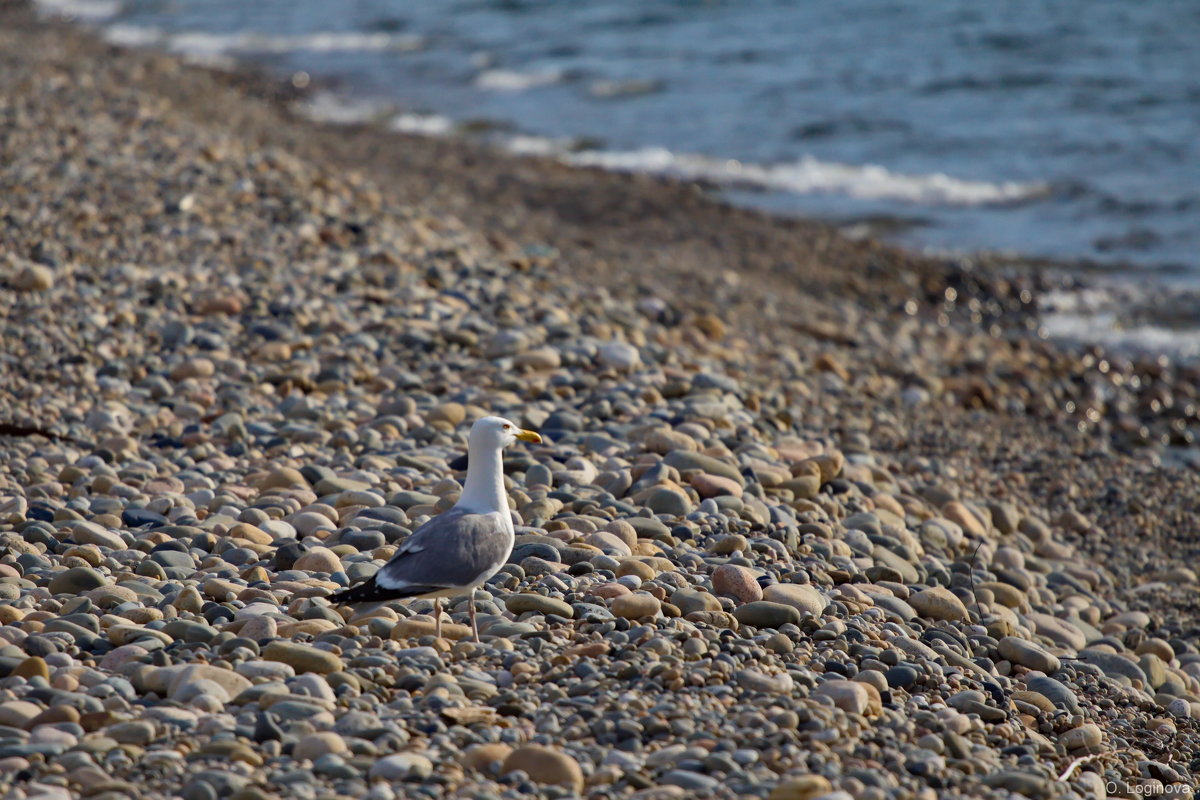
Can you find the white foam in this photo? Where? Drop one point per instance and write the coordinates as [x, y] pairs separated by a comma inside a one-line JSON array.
[[249, 42], [84, 10], [1095, 314], [811, 176], [203, 45], [507, 80], [1101, 329], [608, 89], [525, 145], [133, 36], [423, 124], [340, 109]]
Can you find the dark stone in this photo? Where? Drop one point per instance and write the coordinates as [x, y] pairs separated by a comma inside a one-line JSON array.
[[902, 676], [314, 474], [648, 528], [40, 513], [1055, 691], [391, 514], [266, 730], [360, 540], [533, 550], [563, 421], [173, 558], [285, 556], [138, 517], [1114, 665], [41, 645]]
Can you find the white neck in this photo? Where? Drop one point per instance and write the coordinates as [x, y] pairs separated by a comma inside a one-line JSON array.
[[484, 489]]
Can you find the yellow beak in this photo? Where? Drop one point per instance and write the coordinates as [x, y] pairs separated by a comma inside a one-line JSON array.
[[529, 436]]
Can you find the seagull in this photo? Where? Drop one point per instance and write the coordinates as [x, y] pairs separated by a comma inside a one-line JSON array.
[[457, 551]]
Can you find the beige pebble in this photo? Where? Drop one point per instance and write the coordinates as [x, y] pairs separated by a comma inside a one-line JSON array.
[[801, 787], [545, 765], [636, 605], [939, 603], [319, 559]]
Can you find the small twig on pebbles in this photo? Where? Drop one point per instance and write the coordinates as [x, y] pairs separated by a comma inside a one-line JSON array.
[[1074, 764], [971, 577]]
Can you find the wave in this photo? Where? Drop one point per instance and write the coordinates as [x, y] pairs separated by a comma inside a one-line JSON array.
[[423, 124], [339, 109], [1125, 317], [604, 90], [813, 176], [85, 10], [808, 175], [204, 46], [507, 80], [525, 145]]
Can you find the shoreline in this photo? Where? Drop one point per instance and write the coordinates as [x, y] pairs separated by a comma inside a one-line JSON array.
[[484, 107], [503, 180], [826, 499]]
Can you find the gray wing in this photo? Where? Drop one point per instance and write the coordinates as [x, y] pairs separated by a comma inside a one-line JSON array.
[[452, 550]]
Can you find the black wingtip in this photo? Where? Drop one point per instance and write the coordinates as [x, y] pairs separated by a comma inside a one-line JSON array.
[[369, 592], [362, 593]]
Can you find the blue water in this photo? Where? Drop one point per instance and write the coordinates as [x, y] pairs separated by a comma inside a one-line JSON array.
[[1065, 129]]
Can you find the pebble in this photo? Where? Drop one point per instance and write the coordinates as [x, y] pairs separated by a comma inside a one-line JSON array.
[[32, 667], [316, 745], [185, 681], [545, 765], [805, 599], [91, 533], [636, 605], [637, 568], [76, 580], [1027, 784], [765, 614], [486, 757], [319, 559], [727, 545], [302, 657], [756, 681], [691, 599], [1028, 654], [1115, 666], [541, 604], [620, 355], [31, 277], [692, 782], [668, 501], [402, 767], [737, 582], [851, 696], [715, 485], [801, 787], [1058, 693], [939, 603], [1086, 737], [18, 713]]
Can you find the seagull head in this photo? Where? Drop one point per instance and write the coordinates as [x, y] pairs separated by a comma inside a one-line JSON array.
[[495, 433]]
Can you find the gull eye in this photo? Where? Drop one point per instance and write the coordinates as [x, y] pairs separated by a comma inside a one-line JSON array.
[[507, 426]]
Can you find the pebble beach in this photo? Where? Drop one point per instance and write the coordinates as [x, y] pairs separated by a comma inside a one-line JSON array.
[[812, 517]]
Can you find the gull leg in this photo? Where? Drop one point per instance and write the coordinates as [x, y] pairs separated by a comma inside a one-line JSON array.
[[474, 624], [437, 617]]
